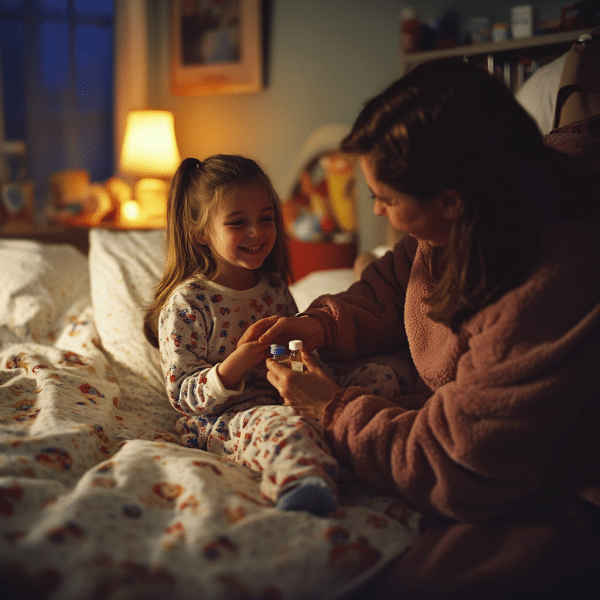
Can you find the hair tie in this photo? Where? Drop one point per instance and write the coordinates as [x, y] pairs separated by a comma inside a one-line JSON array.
[[198, 165]]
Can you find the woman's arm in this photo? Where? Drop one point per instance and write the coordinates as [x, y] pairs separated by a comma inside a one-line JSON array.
[[368, 318]]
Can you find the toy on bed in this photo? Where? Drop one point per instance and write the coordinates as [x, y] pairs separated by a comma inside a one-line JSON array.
[[97, 497]]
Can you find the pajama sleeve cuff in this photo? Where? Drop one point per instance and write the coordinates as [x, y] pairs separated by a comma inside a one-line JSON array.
[[218, 389]]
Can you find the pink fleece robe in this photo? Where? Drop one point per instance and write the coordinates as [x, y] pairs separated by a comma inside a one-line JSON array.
[[513, 403]]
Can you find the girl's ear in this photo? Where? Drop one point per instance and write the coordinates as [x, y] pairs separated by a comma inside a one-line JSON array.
[[452, 204], [202, 239]]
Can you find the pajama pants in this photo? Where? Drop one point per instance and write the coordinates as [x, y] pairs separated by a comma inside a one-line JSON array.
[[269, 439], [275, 441]]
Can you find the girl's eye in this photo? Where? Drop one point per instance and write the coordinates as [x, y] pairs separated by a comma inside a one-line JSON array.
[[235, 223], [268, 219]]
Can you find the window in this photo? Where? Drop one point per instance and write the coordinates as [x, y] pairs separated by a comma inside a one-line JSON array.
[[57, 83]]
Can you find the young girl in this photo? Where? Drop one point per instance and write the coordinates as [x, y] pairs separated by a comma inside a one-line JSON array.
[[227, 268]]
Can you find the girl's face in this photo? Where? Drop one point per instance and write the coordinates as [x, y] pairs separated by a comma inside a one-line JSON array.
[[241, 234], [429, 222]]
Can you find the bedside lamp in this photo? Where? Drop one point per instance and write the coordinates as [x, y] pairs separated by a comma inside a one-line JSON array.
[[149, 154]]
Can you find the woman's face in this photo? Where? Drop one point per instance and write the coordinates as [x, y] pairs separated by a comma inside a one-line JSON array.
[[429, 221]]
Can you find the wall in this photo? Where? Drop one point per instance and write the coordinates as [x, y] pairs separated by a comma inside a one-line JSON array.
[[325, 58]]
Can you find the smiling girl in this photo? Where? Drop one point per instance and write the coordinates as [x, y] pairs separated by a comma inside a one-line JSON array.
[[226, 269]]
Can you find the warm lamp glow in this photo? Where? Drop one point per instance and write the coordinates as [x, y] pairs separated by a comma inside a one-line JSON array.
[[149, 145], [130, 211], [149, 152]]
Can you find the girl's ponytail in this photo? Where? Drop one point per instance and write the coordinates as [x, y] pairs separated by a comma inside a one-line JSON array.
[[185, 256]]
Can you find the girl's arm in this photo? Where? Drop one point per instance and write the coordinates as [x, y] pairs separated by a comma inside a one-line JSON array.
[[244, 357], [193, 384]]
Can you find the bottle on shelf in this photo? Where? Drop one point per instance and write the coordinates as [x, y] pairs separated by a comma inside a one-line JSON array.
[[410, 30]]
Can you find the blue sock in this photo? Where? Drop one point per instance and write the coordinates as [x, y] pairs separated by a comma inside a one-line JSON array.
[[311, 494]]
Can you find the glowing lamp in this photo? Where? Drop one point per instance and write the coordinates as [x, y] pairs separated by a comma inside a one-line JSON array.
[[150, 155]]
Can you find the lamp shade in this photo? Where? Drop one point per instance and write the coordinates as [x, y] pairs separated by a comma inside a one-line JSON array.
[[149, 146]]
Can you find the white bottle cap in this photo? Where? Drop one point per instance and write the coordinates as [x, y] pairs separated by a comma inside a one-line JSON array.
[[296, 345]]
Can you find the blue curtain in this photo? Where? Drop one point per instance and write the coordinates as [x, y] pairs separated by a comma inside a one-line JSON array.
[[57, 83]]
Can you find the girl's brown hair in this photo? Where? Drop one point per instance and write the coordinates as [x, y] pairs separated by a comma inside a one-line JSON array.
[[449, 125], [196, 189]]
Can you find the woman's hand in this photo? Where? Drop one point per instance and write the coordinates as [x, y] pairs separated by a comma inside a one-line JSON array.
[[280, 330], [307, 392], [256, 330]]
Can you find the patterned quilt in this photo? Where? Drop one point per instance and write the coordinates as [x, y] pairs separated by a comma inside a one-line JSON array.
[[97, 498]]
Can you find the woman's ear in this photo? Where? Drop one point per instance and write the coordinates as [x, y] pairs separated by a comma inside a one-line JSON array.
[[452, 204]]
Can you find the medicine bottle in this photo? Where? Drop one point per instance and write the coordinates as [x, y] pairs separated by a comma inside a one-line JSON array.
[[296, 363], [278, 353], [410, 30]]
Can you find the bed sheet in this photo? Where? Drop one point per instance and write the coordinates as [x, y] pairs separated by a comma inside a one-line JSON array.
[[97, 497]]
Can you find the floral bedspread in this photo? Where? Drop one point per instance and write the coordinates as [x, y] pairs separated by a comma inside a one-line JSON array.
[[98, 499]]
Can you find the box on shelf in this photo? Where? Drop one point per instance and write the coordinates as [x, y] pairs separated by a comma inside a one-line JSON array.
[[523, 21]]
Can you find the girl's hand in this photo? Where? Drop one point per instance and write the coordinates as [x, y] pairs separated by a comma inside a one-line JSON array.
[[307, 392], [244, 357], [280, 330]]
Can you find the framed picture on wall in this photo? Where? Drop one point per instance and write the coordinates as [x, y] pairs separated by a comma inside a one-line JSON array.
[[216, 47]]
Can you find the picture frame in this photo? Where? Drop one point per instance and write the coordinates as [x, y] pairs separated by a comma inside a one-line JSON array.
[[216, 47]]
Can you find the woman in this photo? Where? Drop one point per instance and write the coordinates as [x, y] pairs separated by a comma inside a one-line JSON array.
[[496, 293]]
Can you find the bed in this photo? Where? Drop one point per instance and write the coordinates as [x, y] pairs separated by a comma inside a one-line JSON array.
[[97, 498]]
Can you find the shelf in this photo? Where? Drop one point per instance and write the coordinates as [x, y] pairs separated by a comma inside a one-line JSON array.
[[536, 41]]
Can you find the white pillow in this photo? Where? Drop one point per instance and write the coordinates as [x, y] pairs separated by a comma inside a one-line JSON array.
[[317, 283], [124, 269], [42, 285]]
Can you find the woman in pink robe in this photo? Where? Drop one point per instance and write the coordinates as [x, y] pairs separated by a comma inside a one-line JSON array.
[[495, 291]]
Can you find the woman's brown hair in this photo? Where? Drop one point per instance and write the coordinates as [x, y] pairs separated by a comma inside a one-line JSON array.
[[449, 125], [196, 189]]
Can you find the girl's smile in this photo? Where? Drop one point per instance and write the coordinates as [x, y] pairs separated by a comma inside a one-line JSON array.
[[253, 249]]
